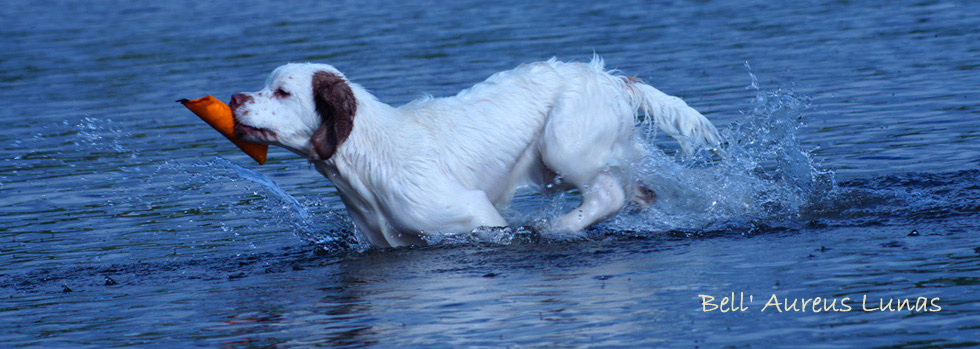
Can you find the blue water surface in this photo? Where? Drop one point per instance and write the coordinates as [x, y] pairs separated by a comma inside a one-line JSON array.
[[854, 177]]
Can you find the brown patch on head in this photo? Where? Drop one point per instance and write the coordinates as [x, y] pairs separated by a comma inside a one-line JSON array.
[[336, 105]]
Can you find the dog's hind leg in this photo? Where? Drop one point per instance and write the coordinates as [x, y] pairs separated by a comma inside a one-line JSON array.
[[588, 142], [602, 198]]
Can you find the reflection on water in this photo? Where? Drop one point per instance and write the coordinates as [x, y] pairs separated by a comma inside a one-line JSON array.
[[851, 170]]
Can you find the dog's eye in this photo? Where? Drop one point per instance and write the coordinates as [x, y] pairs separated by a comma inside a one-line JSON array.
[[281, 93]]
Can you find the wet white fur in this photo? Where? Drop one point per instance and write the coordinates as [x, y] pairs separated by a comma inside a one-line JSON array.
[[445, 165]]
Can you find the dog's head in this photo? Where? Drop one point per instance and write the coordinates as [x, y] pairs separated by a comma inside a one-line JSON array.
[[306, 108]]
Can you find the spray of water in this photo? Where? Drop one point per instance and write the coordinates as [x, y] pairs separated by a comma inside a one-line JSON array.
[[326, 229], [765, 175]]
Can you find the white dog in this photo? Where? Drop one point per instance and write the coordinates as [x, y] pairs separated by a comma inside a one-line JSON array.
[[445, 165]]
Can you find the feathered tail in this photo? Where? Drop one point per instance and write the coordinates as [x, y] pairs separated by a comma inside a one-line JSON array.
[[676, 118]]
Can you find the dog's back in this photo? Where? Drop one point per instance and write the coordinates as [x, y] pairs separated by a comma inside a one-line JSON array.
[[520, 114]]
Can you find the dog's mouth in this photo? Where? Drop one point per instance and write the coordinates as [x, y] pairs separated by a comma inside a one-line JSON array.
[[254, 134]]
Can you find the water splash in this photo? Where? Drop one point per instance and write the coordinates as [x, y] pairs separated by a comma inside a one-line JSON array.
[[103, 135], [767, 175], [247, 206], [328, 229], [296, 210], [754, 85], [492, 235]]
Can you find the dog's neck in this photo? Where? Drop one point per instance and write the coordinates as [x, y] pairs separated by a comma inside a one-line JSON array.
[[369, 150]]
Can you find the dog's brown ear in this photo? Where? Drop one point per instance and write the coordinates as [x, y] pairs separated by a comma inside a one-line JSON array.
[[336, 105]]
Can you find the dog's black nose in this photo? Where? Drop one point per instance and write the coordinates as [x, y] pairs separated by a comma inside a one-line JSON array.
[[237, 100]]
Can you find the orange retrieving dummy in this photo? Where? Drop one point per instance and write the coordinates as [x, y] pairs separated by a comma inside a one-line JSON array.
[[217, 114]]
